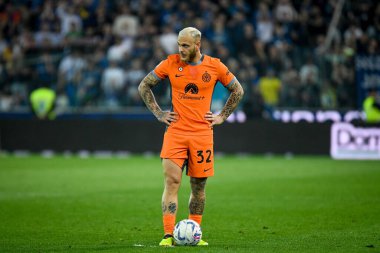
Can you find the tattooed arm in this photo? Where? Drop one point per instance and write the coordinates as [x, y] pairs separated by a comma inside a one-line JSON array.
[[236, 94], [145, 90]]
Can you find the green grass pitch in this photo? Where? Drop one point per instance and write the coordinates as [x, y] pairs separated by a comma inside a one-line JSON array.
[[254, 204]]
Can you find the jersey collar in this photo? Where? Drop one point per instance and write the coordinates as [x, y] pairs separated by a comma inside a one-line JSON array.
[[196, 63]]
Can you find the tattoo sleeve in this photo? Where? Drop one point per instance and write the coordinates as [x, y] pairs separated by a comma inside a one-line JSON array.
[[198, 195], [236, 94], [145, 91]]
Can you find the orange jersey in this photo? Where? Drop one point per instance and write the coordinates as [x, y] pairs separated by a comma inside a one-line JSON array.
[[192, 86]]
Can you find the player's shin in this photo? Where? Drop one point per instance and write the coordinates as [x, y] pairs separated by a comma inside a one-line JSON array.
[[170, 195], [196, 207], [197, 199], [169, 211]]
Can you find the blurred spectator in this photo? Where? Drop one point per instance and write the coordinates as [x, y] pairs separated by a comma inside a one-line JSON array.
[[118, 51], [343, 80], [142, 48], [89, 85], [149, 26], [284, 12], [246, 43], [353, 33], [100, 58], [310, 87], [291, 87], [4, 48], [363, 13], [316, 23], [47, 16], [46, 72], [218, 32], [373, 47], [253, 106], [309, 72], [168, 40], [74, 32], [125, 24], [69, 71], [236, 31], [133, 78], [6, 99], [328, 97], [270, 87], [26, 39], [62, 103], [265, 28], [70, 19], [17, 79], [107, 38], [46, 38], [113, 82], [281, 40], [42, 102], [275, 58]]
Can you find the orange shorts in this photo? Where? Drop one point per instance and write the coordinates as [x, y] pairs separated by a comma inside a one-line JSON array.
[[197, 152]]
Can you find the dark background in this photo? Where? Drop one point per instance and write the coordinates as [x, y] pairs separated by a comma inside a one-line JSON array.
[[256, 137]]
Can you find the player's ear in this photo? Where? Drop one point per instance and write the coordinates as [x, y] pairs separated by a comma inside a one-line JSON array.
[[198, 44]]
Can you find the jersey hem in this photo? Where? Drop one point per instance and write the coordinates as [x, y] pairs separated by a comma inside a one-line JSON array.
[[187, 133]]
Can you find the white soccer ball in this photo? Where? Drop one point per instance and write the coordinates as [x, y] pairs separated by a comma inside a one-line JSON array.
[[187, 232]]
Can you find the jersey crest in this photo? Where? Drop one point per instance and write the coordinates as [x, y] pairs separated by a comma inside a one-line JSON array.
[[206, 77]]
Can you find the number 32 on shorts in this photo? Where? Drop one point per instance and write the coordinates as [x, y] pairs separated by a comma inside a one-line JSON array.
[[204, 156]]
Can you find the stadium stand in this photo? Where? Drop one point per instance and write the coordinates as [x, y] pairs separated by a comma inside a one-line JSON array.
[[94, 52]]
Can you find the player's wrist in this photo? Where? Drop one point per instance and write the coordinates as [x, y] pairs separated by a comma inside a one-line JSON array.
[[223, 117], [159, 115]]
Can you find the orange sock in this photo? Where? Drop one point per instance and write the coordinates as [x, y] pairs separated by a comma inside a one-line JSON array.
[[169, 223], [196, 217]]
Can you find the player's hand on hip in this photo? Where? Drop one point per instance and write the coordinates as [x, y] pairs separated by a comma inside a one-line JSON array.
[[167, 117], [213, 119]]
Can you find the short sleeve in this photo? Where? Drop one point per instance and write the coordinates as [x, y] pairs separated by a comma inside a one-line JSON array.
[[224, 75], [162, 69]]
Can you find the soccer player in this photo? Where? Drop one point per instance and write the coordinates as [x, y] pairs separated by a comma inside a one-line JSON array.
[[188, 140]]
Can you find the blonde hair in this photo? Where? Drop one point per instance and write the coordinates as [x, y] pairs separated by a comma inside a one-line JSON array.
[[193, 32]]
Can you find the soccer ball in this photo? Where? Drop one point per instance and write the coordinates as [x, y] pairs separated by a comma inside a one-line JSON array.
[[187, 232]]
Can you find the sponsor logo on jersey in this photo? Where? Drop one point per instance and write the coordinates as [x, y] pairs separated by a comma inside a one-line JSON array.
[[191, 89]]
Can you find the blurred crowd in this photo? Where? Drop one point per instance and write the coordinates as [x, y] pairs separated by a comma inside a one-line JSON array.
[[94, 53]]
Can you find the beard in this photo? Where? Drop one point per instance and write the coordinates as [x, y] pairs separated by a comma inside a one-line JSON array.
[[190, 57]]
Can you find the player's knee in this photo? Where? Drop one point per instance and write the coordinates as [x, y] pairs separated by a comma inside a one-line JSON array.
[[172, 181], [198, 185]]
